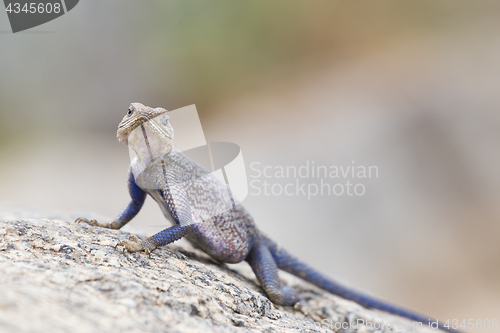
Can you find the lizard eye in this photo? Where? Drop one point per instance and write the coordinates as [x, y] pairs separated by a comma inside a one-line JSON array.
[[130, 111]]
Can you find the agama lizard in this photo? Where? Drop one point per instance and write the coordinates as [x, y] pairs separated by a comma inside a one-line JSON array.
[[196, 202]]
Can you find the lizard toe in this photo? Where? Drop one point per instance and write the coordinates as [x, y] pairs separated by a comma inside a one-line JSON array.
[[82, 220], [93, 222], [134, 244]]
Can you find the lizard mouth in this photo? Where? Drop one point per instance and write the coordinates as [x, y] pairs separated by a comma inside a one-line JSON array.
[[122, 136]]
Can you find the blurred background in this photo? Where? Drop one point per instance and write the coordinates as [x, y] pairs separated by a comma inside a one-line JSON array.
[[410, 87]]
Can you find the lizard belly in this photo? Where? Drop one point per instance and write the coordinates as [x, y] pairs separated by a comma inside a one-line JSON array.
[[222, 238], [227, 237]]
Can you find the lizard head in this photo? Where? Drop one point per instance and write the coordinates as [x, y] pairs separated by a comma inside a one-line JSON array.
[[146, 131], [139, 114]]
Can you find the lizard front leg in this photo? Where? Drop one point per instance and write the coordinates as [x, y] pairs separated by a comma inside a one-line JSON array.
[[128, 212], [174, 196], [164, 237]]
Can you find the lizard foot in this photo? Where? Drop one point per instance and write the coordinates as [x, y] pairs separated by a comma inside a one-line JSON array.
[[134, 244], [93, 222], [308, 311]]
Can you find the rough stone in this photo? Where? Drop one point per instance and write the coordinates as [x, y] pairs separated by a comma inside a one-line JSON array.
[[60, 276]]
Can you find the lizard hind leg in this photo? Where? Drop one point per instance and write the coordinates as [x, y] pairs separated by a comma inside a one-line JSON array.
[[266, 271]]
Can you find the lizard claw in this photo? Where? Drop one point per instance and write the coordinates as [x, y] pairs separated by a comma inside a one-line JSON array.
[[95, 223], [84, 220], [134, 244]]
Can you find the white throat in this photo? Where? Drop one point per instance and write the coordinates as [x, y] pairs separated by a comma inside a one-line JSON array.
[[150, 140]]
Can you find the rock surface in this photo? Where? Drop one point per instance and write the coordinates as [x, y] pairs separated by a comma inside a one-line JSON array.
[[60, 276]]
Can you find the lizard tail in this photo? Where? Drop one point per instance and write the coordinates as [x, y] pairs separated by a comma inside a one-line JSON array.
[[287, 262]]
